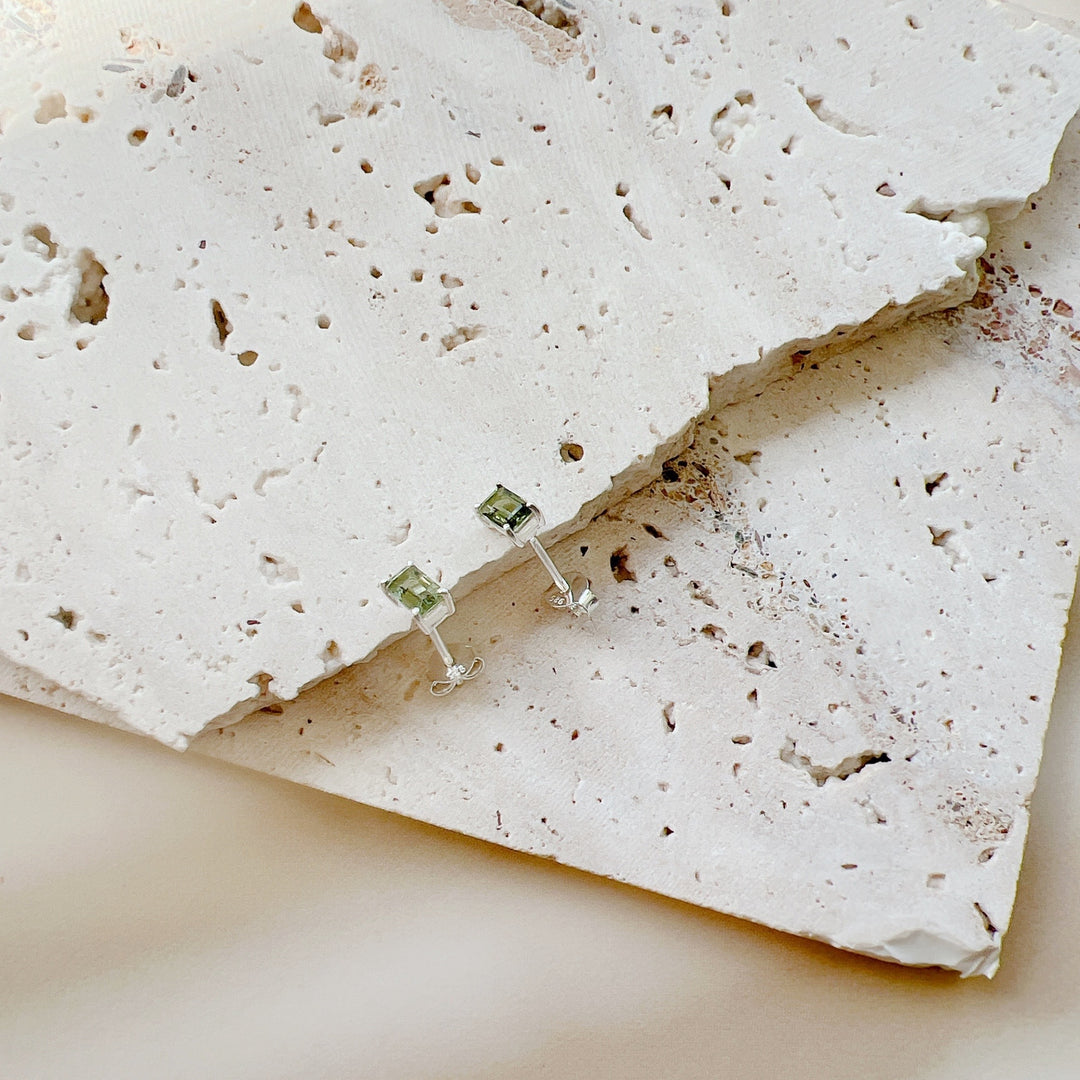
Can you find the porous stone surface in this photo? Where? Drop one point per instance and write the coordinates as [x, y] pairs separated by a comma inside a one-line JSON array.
[[816, 690], [284, 293]]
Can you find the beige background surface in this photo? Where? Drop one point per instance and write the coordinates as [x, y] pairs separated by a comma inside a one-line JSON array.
[[167, 916]]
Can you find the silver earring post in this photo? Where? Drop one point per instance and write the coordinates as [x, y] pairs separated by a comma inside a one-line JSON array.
[[520, 521], [429, 603]]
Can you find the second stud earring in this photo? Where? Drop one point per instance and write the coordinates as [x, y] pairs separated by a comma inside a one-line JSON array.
[[429, 603], [511, 515]]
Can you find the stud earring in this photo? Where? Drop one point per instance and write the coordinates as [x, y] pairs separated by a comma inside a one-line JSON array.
[[430, 604], [511, 515]]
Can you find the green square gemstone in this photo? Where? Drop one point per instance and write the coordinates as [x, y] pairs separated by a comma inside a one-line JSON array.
[[505, 510], [413, 589]]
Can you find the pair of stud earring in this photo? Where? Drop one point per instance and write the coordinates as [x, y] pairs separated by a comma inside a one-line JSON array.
[[429, 603]]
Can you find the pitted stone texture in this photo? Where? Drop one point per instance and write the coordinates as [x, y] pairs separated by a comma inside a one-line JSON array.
[[816, 691], [283, 296], [814, 697]]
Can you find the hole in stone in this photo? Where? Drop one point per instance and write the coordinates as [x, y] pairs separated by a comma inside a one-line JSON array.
[[262, 680], [177, 83], [631, 216], [741, 740], [66, 618], [821, 774], [376, 272], [886, 190], [323, 322], [366, 166], [137, 136], [27, 331], [248, 357], [620, 571], [418, 275], [472, 174], [51, 107], [990, 928], [759, 652], [91, 303], [816, 104], [426, 188], [751, 459], [934, 482], [940, 537], [306, 20], [41, 234], [221, 322], [460, 336], [571, 451]]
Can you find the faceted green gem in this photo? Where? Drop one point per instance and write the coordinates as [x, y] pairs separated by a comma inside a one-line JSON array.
[[505, 510], [413, 589]]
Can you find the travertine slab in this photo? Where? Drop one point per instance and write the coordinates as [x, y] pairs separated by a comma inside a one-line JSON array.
[[285, 292], [816, 693]]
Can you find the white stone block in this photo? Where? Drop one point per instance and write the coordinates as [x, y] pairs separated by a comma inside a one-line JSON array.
[[285, 292], [816, 695]]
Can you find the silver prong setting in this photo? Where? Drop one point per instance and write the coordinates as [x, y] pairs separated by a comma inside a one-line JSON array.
[[520, 522], [430, 604]]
